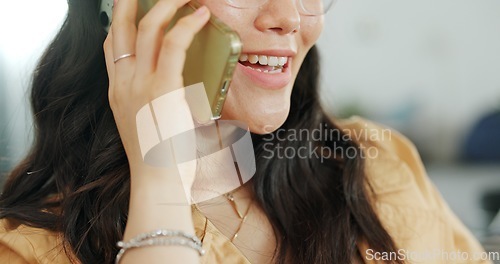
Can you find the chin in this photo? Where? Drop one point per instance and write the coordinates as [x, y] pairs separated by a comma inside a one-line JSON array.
[[262, 109], [266, 123], [261, 115]]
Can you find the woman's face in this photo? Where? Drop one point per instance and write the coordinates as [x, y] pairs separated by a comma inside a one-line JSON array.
[[275, 32]]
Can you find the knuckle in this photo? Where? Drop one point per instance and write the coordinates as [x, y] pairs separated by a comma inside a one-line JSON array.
[[106, 44], [139, 88], [118, 24], [151, 21], [118, 93], [186, 23], [145, 25], [172, 43], [165, 4]]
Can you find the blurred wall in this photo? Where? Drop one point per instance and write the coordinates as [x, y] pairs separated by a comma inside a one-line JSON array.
[[3, 111], [22, 40], [429, 68]]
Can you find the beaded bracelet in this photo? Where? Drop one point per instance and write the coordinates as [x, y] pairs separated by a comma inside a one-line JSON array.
[[160, 238]]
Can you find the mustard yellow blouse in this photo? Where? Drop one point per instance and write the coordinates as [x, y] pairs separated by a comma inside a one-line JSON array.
[[405, 200]]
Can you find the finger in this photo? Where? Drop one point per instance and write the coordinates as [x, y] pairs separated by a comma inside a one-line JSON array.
[[175, 43], [150, 34], [124, 35], [108, 54], [109, 58]]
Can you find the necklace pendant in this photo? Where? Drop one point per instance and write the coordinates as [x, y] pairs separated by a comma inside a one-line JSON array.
[[230, 197]]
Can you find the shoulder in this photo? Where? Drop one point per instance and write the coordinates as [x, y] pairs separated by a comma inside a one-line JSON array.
[[369, 133], [398, 184], [404, 198], [392, 162], [24, 244]]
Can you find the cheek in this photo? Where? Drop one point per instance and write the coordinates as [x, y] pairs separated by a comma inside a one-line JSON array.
[[234, 18], [310, 30]]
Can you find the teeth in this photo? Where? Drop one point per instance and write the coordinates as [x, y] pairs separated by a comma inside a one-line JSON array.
[[264, 60], [244, 57], [273, 61], [253, 59], [276, 70], [282, 61]]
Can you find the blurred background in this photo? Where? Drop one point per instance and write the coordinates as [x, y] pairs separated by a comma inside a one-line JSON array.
[[428, 68]]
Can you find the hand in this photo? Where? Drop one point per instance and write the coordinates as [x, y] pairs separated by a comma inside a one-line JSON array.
[[155, 70]]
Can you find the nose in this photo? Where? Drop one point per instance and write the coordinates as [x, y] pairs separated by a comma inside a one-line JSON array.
[[280, 16]]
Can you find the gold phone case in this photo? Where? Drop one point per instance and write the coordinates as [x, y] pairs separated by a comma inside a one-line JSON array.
[[211, 58]]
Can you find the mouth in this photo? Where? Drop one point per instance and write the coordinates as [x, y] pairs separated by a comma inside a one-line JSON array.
[[264, 63], [269, 71]]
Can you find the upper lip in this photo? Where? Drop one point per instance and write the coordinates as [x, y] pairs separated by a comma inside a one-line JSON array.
[[273, 52]]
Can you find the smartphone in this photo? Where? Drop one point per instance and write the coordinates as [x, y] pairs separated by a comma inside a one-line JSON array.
[[211, 58]]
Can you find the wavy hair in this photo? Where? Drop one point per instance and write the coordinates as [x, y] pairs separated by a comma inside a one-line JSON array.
[[75, 178]]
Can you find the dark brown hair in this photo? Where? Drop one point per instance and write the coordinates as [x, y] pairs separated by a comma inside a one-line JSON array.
[[318, 209]]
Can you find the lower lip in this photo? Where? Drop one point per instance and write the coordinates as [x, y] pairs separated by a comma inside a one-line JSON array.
[[271, 81]]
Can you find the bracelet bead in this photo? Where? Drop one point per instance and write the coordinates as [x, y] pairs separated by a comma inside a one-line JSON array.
[[161, 237]]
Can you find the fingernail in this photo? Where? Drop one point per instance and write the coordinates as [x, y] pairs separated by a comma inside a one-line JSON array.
[[201, 11]]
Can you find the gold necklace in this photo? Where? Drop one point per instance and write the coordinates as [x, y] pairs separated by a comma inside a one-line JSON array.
[[243, 217]]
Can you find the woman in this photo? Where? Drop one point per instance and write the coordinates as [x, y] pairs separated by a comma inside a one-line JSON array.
[[84, 185]]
